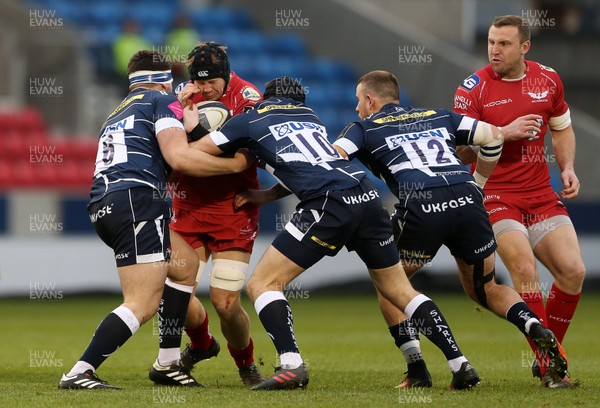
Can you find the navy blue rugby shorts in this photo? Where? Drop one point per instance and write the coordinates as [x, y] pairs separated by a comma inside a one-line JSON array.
[[135, 224], [453, 216], [354, 218]]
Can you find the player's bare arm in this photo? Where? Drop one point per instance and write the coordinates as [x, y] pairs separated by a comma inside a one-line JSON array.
[[563, 142], [341, 151], [182, 157], [467, 154], [260, 197]]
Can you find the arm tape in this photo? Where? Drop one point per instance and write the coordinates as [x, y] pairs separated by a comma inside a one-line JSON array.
[[197, 133], [560, 122], [491, 146]]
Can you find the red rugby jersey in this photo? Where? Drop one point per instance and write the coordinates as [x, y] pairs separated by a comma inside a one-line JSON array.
[[486, 96], [215, 194]]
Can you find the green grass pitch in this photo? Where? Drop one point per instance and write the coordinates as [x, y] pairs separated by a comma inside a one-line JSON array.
[[344, 340]]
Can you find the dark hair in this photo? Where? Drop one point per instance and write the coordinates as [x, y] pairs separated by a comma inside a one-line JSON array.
[[285, 87], [515, 21], [209, 60], [382, 83], [147, 60]]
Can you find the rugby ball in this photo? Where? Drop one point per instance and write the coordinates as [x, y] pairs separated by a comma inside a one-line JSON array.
[[213, 114]]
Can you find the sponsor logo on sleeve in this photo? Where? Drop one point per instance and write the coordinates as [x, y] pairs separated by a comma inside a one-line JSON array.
[[250, 94], [471, 82], [547, 68]]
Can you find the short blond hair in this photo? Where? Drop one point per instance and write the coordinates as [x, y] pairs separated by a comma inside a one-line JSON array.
[[515, 21], [382, 83]]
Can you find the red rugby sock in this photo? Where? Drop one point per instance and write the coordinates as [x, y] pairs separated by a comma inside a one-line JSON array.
[[243, 357], [560, 308], [200, 336]]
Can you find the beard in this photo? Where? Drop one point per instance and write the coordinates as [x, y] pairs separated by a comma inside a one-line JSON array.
[[505, 69]]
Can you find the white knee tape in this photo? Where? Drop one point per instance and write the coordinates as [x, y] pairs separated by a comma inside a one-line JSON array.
[[538, 231], [201, 267], [506, 225], [228, 274]]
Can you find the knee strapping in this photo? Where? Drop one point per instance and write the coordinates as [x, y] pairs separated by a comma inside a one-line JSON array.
[[228, 274], [502, 226]]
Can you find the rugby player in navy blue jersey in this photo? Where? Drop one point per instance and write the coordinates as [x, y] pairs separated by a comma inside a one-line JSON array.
[[440, 203], [140, 142], [339, 206]]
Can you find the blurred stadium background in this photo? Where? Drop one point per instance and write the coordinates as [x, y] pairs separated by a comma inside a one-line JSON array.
[[60, 82]]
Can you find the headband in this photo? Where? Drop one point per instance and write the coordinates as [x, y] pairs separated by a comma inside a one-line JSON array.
[[150, 77]]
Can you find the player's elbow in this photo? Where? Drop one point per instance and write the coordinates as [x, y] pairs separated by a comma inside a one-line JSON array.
[[180, 160]]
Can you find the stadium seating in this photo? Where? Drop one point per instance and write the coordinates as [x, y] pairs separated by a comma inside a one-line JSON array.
[[30, 158], [255, 55], [25, 142]]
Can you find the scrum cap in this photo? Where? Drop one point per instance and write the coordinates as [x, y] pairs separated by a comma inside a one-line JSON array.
[[208, 61]]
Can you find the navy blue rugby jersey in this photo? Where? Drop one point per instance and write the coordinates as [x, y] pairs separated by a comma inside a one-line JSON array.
[[411, 148], [128, 152], [292, 142]]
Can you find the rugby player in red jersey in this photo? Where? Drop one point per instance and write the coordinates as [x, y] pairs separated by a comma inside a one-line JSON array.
[[206, 224], [528, 218]]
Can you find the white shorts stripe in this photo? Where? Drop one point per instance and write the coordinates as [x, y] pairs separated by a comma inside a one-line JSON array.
[[294, 232], [149, 258]]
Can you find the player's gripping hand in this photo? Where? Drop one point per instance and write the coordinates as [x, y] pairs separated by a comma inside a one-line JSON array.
[[571, 183], [190, 117], [186, 94], [522, 127], [245, 158], [260, 197], [250, 196]]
